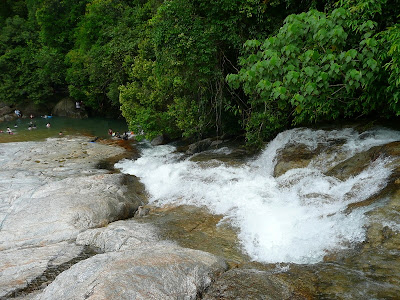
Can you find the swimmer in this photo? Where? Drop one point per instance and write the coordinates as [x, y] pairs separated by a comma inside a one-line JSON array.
[[9, 131], [48, 125], [60, 133]]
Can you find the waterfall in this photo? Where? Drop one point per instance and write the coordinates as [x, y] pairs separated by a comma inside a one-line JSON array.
[[296, 217]]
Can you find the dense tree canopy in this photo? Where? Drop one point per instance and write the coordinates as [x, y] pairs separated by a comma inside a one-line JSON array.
[[194, 68]]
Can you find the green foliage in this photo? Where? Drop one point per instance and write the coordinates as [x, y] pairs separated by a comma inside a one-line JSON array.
[[23, 74], [165, 62], [391, 55], [192, 45], [308, 72], [106, 40]]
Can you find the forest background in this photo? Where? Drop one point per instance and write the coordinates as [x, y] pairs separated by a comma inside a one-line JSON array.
[[195, 68]]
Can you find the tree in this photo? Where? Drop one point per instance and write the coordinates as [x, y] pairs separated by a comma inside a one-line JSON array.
[[192, 46], [318, 67]]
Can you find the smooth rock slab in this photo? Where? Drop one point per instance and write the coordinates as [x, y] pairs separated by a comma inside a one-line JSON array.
[[19, 267], [60, 210], [119, 236], [50, 192], [151, 272]]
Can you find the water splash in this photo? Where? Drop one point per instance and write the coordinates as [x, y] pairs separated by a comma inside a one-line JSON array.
[[296, 217]]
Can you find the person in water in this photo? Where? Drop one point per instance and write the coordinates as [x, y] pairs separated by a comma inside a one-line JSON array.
[[110, 132], [48, 125], [9, 131]]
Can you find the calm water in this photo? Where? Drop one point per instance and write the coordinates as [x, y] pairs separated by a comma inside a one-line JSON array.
[[92, 126]]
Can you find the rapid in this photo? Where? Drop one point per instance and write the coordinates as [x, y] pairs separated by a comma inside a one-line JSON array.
[[298, 216]]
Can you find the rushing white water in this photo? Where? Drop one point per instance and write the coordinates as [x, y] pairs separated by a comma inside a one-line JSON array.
[[296, 217]]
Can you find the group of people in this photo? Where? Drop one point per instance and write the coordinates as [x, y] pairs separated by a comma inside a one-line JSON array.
[[31, 126], [9, 131], [124, 136]]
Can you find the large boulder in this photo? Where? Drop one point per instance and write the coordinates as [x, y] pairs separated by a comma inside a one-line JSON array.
[[6, 112], [160, 271], [5, 109], [51, 191], [199, 146], [160, 140], [66, 108]]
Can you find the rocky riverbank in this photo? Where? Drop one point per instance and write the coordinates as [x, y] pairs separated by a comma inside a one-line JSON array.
[[348, 179], [68, 231], [58, 209]]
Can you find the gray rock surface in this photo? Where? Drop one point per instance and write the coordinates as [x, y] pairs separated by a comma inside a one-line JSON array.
[[50, 192], [66, 108], [199, 146], [55, 203], [160, 140], [119, 236], [18, 267], [150, 272]]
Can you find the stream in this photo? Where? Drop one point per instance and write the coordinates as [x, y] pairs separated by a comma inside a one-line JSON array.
[[314, 215], [292, 206], [296, 217]]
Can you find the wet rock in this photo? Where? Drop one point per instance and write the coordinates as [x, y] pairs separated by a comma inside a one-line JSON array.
[[300, 156], [360, 161], [142, 211], [5, 109], [199, 146], [8, 118], [197, 228], [149, 272], [160, 140], [66, 108], [250, 284], [35, 109]]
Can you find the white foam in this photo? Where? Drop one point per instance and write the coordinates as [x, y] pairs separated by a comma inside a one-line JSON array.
[[297, 217]]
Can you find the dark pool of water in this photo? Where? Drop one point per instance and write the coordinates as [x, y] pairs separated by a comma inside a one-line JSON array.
[[91, 126]]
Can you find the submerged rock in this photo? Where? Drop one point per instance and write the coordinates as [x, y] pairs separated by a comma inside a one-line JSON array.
[[251, 284]]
